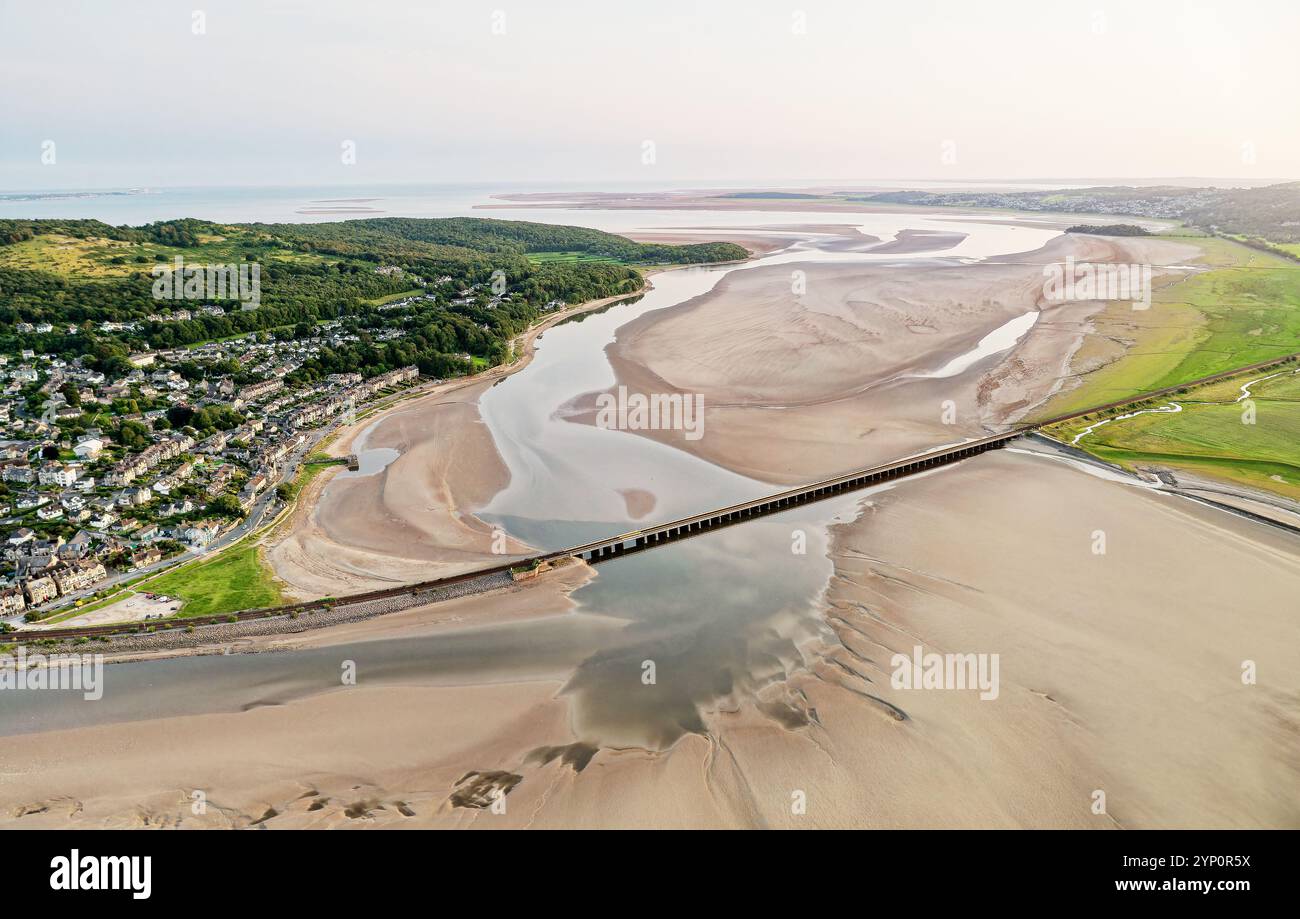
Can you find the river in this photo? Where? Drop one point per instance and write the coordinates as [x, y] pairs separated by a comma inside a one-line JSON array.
[[717, 616]]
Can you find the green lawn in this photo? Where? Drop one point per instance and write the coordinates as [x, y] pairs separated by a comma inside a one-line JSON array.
[[236, 579], [1252, 314], [314, 466]]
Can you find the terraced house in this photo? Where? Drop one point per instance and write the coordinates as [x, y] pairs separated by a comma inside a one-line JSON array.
[[12, 601], [78, 575], [40, 590], [56, 473], [129, 469]]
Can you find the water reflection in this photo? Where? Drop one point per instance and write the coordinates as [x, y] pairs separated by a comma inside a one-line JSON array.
[[562, 472], [370, 462], [714, 619], [720, 616]]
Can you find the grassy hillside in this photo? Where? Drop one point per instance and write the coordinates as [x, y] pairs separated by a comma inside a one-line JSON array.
[[101, 258], [78, 275]]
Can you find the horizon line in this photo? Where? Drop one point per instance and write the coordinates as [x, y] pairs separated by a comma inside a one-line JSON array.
[[684, 184]]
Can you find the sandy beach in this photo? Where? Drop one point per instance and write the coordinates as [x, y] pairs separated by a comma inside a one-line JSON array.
[[1084, 703], [410, 521], [414, 519], [799, 386]]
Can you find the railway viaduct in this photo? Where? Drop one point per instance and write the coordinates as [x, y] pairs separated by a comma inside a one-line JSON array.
[[648, 537], [660, 534]]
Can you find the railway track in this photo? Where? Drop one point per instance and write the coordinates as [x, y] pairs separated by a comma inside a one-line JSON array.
[[645, 537]]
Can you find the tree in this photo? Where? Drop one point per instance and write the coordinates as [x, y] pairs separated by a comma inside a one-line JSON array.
[[133, 435], [180, 415], [225, 506]]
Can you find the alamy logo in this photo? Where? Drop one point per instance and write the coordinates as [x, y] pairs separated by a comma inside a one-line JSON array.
[[1086, 281], [103, 872], [656, 412], [946, 671], [83, 673], [242, 282]]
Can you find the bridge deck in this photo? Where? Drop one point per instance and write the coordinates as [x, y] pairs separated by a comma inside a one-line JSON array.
[[676, 529], [775, 503]]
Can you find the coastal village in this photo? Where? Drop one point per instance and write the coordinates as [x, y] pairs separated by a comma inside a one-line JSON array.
[[103, 478]]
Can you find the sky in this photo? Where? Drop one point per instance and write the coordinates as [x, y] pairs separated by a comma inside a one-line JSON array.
[[160, 93]]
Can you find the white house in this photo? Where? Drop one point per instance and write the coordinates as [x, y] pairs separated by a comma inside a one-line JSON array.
[[200, 534], [55, 473], [89, 449]]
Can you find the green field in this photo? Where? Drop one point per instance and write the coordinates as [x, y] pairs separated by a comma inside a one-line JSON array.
[[1244, 311], [236, 579], [1211, 434], [546, 258]]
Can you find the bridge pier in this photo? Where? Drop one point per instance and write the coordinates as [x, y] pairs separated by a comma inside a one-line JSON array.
[[778, 503]]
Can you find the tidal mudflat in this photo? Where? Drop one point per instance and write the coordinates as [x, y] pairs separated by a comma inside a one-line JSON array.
[[717, 681]]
